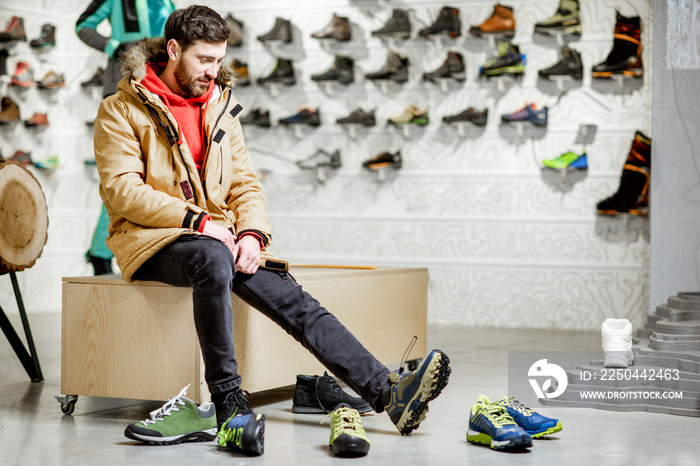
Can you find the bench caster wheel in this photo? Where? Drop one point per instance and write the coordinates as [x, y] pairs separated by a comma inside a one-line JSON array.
[[412, 365], [67, 403]]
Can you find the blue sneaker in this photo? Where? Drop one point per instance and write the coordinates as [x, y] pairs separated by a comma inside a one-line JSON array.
[[490, 424], [568, 160], [244, 434], [527, 113], [411, 392], [534, 423]]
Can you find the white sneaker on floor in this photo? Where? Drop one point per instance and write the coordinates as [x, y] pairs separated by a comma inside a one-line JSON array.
[[617, 342]]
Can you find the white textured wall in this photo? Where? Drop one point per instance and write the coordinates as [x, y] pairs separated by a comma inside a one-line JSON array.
[[506, 244]]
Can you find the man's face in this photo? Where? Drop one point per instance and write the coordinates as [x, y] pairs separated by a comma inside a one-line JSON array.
[[197, 66]]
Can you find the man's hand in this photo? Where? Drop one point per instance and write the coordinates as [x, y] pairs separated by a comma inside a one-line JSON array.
[[247, 254], [223, 234]]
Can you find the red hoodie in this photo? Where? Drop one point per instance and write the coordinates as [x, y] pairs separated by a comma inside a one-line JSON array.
[[187, 112]]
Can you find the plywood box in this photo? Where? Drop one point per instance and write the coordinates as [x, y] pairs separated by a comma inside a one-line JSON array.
[[138, 340]]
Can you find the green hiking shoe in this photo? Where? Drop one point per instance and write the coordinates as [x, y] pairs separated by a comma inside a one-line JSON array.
[[348, 438], [565, 20], [411, 392], [412, 115], [568, 160], [243, 434], [179, 420]]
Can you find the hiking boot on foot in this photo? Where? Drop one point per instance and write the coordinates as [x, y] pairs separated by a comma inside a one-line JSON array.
[[348, 438], [244, 434], [535, 424], [566, 20], [314, 394], [501, 21], [14, 30], [469, 115], [177, 421], [282, 30], [230, 404], [398, 26], [396, 69], [411, 392], [339, 29], [383, 160], [452, 68], [509, 61], [358, 117], [447, 23], [491, 425], [569, 65], [47, 37]]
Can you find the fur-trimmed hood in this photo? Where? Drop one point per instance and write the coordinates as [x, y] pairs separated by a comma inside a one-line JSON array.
[[152, 50]]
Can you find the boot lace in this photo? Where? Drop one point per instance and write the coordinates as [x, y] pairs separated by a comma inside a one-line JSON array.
[[498, 415], [518, 406], [168, 408]]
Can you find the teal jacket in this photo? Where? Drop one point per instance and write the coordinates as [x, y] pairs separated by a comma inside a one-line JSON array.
[[130, 20]]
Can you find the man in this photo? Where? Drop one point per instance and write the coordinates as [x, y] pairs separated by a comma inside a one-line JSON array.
[[129, 21], [187, 209]]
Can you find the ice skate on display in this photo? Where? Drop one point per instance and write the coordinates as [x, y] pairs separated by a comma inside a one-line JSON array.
[[9, 111], [491, 425], [500, 22], [23, 77], [241, 71], [569, 160], [535, 424], [527, 113], [281, 31], [569, 65], [566, 20], [96, 80], [633, 191], [257, 117], [348, 438], [395, 69], [383, 160], [617, 342], [625, 58], [321, 394], [51, 80], [452, 68], [358, 117], [339, 29], [14, 30], [320, 159], [398, 26], [243, 434], [447, 23], [306, 116], [235, 27], [179, 420], [342, 71], [508, 62], [47, 37], [36, 120], [468, 116], [412, 115], [282, 74]]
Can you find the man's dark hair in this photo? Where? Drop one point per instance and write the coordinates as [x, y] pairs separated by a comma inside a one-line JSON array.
[[196, 22]]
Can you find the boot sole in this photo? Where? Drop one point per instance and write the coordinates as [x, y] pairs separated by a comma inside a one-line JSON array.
[[479, 438], [199, 436], [433, 381], [610, 74], [551, 430]]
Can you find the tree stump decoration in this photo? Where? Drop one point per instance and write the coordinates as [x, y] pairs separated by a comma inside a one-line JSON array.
[[24, 218]]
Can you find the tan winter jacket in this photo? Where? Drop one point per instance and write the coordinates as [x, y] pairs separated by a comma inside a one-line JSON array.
[[149, 182]]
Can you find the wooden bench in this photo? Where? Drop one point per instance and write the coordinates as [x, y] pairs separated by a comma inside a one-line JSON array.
[[138, 340]]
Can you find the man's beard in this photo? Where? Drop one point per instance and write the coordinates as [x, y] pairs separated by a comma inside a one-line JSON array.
[[189, 83]]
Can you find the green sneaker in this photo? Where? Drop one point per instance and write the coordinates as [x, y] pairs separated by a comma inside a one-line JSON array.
[[532, 422], [348, 438], [244, 434], [491, 425], [411, 392], [568, 160], [179, 420]]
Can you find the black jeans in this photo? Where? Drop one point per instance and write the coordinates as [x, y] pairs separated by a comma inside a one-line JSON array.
[[207, 266]]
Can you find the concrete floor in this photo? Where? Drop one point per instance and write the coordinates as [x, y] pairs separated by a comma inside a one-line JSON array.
[[34, 431]]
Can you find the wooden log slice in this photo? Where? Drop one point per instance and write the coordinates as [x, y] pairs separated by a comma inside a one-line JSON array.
[[24, 218]]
